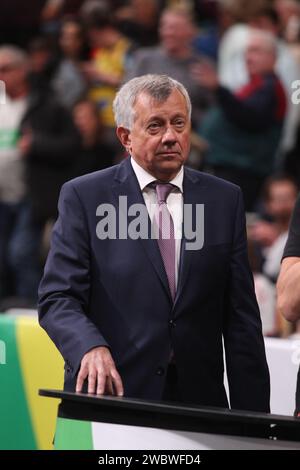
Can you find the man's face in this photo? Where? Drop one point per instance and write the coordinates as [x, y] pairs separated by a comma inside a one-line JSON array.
[[259, 57], [12, 73], [282, 198], [160, 136], [175, 31], [71, 39]]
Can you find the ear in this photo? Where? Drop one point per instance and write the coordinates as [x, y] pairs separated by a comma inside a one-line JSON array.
[[124, 137]]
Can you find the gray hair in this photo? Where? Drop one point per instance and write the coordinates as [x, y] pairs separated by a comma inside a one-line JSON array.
[[17, 54], [159, 87]]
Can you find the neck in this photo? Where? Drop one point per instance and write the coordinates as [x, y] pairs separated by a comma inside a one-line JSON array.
[[89, 140], [179, 53], [259, 74]]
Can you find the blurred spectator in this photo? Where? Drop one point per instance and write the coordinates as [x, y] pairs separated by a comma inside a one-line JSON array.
[[244, 130], [37, 144], [288, 12], [267, 239], [18, 270], [174, 57], [233, 69], [49, 144], [110, 52], [43, 63], [226, 13], [71, 39], [288, 69], [58, 71], [279, 197], [68, 82], [93, 153]]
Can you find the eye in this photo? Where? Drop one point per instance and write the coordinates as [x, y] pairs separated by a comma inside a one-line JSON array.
[[154, 126], [179, 123]]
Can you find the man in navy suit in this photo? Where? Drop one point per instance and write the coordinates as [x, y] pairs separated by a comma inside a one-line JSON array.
[[147, 316]]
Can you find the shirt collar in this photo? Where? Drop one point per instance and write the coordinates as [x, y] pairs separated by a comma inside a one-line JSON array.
[[144, 178]]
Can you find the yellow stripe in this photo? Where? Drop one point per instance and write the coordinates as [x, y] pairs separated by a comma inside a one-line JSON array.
[[42, 367]]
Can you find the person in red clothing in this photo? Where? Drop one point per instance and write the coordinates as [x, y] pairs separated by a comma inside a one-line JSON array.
[[244, 129]]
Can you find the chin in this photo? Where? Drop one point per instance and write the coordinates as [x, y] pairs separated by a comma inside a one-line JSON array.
[[169, 168], [171, 164]]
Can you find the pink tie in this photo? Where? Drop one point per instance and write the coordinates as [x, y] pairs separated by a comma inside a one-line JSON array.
[[166, 238]]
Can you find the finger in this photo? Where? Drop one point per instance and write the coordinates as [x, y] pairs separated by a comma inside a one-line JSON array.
[[81, 378], [101, 380], [109, 389], [117, 383], [92, 381]]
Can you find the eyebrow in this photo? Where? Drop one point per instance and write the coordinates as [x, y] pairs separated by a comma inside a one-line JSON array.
[[161, 118]]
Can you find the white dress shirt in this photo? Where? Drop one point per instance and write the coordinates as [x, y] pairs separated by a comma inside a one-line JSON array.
[[174, 203]]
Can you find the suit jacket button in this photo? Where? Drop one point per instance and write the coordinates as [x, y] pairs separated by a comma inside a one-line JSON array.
[[172, 323], [160, 371]]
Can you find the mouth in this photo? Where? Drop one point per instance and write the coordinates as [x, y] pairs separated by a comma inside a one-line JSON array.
[[168, 154]]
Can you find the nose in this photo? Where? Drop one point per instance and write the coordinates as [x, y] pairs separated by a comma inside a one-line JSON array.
[[169, 137]]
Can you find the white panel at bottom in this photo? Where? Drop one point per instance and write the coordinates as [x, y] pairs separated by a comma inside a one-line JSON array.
[[121, 437]]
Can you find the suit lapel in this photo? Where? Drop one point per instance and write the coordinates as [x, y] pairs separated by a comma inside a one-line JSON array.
[[126, 184], [193, 193]]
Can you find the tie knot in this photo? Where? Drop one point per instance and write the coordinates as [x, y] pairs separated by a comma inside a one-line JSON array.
[[162, 190]]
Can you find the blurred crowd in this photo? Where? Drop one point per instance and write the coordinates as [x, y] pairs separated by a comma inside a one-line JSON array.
[[62, 62]]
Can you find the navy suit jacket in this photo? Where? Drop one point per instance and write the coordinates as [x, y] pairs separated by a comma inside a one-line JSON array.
[[114, 293]]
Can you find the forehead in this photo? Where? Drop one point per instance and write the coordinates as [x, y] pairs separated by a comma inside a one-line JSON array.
[[70, 29], [282, 187], [258, 43], [146, 106], [7, 57], [175, 18]]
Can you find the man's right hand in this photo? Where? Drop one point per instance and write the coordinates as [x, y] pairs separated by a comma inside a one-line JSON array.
[[99, 368]]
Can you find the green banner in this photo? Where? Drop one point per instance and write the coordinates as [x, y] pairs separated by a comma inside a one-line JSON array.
[[73, 435]]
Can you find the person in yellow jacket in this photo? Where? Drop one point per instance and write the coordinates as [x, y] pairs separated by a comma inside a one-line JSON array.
[[105, 71]]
